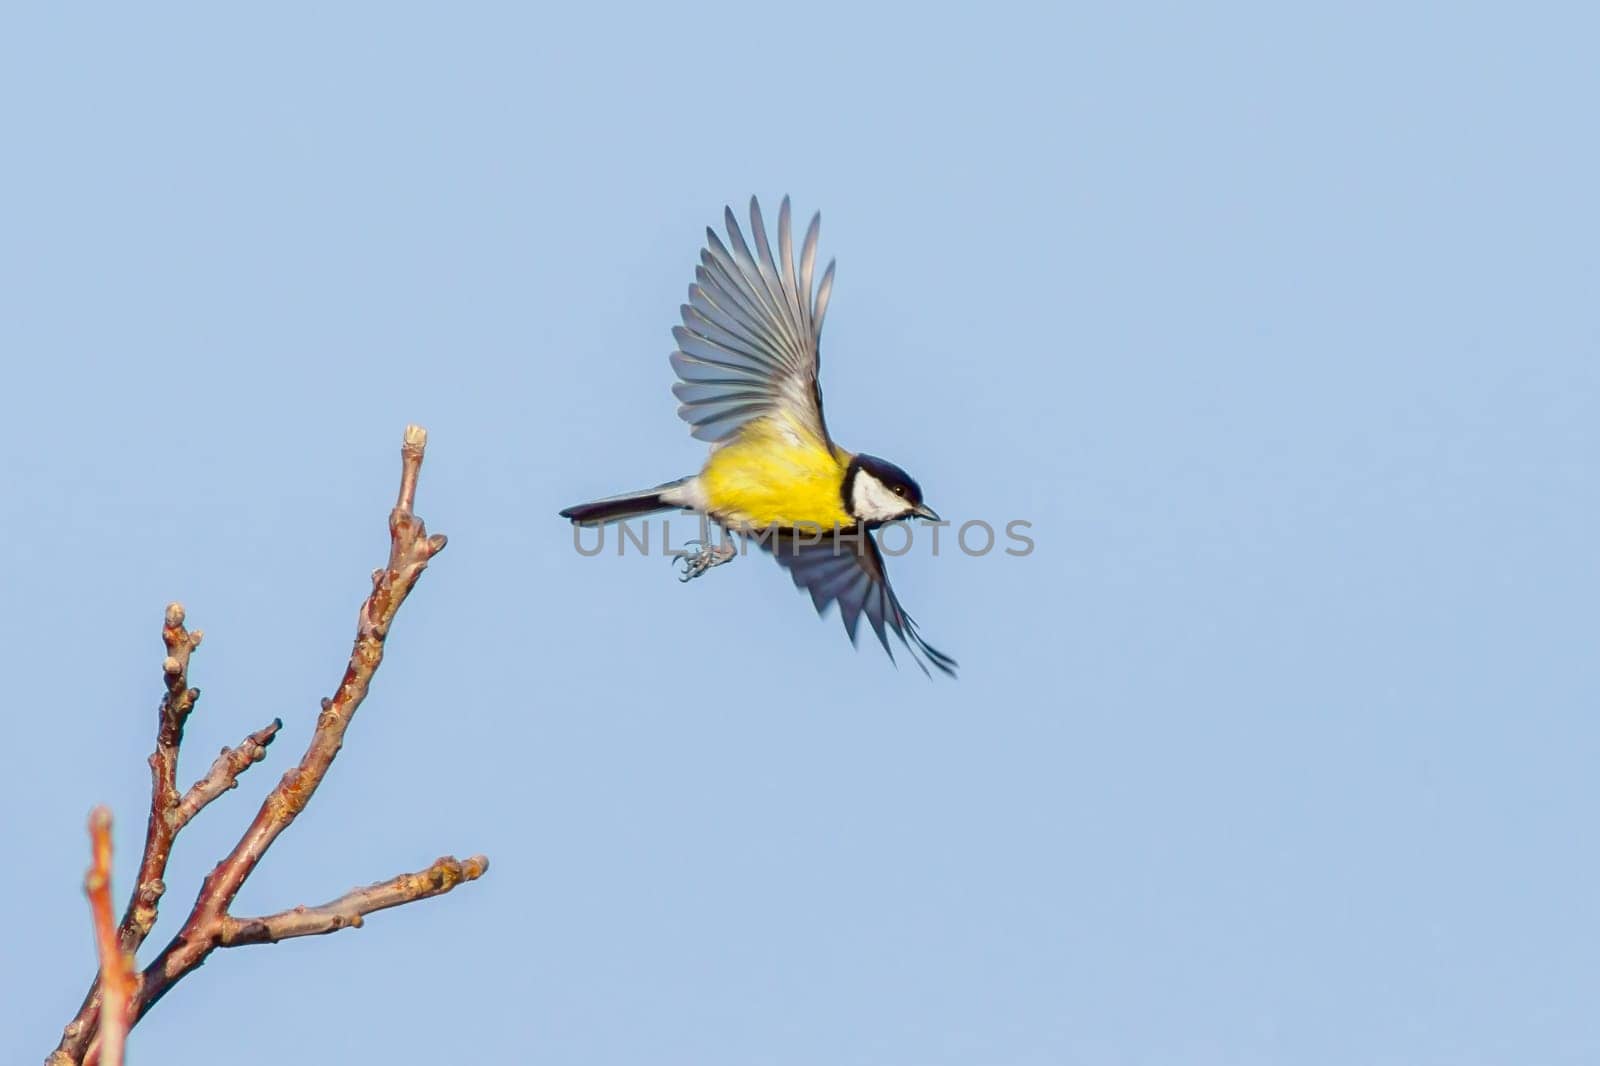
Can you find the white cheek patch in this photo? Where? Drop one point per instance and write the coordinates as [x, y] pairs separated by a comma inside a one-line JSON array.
[[871, 499]]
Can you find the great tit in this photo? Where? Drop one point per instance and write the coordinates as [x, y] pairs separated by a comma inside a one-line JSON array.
[[747, 362]]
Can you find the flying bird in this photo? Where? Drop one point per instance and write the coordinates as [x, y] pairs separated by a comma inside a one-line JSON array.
[[747, 361]]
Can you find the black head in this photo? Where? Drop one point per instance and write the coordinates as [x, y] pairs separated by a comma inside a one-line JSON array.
[[877, 491]]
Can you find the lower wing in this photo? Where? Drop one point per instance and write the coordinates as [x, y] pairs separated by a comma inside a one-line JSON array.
[[846, 568]]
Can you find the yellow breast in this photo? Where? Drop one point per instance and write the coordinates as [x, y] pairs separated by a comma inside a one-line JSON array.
[[776, 473]]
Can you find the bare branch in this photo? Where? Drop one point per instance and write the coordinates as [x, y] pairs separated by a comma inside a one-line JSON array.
[[140, 917], [347, 911], [410, 549], [210, 925], [224, 773], [116, 965], [412, 445]]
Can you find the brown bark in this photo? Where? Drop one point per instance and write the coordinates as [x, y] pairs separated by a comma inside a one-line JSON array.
[[210, 924], [116, 965]]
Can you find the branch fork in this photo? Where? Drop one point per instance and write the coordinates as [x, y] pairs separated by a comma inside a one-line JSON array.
[[119, 997]]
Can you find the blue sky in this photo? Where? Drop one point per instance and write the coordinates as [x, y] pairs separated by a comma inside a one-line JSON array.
[[1279, 326]]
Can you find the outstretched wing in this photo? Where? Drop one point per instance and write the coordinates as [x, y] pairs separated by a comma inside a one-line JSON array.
[[747, 348], [848, 570]]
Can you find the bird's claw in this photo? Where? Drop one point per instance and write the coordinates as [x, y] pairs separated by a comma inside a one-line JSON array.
[[702, 558]]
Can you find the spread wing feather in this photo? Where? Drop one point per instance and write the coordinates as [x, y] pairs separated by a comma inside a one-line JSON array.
[[849, 571], [748, 346]]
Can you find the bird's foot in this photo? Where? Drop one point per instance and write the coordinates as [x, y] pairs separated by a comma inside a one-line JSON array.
[[703, 557]]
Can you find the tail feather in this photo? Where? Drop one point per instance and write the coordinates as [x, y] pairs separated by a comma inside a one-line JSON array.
[[626, 505]]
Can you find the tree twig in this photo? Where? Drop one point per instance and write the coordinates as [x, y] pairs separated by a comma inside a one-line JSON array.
[[224, 773], [348, 910], [140, 917], [116, 965], [410, 549], [209, 924]]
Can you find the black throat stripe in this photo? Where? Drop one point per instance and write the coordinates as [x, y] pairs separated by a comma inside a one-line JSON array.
[[847, 486]]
